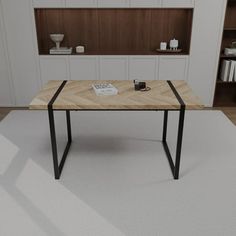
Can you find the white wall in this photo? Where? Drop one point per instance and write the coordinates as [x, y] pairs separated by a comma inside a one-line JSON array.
[[24, 60], [17, 15], [6, 98], [205, 47]]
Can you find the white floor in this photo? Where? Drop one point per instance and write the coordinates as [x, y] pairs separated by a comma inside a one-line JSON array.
[[116, 180]]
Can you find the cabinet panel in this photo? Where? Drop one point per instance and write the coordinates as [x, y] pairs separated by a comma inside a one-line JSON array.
[[143, 68], [21, 49], [113, 67], [204, 53], [178, 3], [173, 67], [6, 98], [113, 3], [49, 3], [83, 67], [54, 68], [81, 3], [147, 3]]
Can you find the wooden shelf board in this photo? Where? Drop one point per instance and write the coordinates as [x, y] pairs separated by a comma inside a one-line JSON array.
[[226, 82], [227, 56], [227, 104], [230, 29], [119, 53]]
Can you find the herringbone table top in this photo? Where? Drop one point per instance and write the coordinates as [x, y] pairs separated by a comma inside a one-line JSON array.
[[79, 95]]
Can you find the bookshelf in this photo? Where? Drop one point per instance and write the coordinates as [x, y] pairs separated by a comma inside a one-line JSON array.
[[225, 92]]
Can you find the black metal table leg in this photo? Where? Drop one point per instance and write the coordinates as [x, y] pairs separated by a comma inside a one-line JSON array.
[[59, 166], [174, 166], [164, 142], [179, 141], [165, 125], [68, 125]]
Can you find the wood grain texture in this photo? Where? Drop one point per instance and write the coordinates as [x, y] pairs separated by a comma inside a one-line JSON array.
[[230, 19], [79, 95], [225, 94], [167, 24], [230, 22], [114, 31], [124, 30]]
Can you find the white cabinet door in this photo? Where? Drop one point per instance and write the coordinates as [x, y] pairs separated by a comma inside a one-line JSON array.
[[173, 67], [54, 68], [178, 3], [81, 3], [204, 53], [18, 20], [113, 67], [83, 67], [48, 3], [143, 67], [6, 98], [146, 3], [113, 3]]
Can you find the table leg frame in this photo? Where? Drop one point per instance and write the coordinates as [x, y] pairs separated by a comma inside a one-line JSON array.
[[174, 166], [59, 166]]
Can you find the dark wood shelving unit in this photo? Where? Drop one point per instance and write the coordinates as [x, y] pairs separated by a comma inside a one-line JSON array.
[[229, 29], [225, 82], [115, 31], [228, 56], [225, 92]]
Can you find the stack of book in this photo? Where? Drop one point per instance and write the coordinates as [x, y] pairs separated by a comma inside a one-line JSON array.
[[60, 51], [105, 89], [228, 71]]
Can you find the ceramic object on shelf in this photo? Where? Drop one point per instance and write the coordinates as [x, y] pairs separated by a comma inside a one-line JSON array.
[[163, 46], [174, 44], [57, 39], [80, 49]]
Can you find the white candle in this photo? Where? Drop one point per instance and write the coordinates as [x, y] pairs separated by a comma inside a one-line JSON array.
[[80, 49], [163, 45]]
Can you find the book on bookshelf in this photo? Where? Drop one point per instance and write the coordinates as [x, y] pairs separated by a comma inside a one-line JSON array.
[[232, 71], [228, 71], [234, 76], [225, 69]]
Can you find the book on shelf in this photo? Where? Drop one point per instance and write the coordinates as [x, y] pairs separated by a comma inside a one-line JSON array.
[[104, 89], [228, 71], [234, 76], [231, 72], [225, 68]]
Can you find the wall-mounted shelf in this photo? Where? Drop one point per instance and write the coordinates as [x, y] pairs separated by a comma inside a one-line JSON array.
[[225, 92], [229, 29], [225, 82], [92, 53], [228, 56], [115, 31]]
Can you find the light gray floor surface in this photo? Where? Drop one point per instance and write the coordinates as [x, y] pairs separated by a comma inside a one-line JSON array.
[[116, 180]]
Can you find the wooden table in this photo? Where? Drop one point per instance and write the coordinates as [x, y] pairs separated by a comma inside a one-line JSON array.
[[79, 96]]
